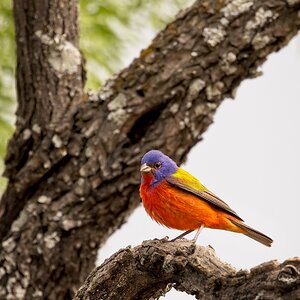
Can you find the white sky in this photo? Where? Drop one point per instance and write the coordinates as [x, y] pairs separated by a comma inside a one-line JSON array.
[[250, 157]]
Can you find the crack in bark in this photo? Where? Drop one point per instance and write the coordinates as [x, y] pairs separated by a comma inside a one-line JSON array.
[[143, 124]]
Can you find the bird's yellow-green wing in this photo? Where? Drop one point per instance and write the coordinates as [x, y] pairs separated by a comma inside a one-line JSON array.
[[182, 179]]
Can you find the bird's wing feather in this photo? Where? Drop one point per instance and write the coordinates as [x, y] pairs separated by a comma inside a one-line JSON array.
[[185, 181]]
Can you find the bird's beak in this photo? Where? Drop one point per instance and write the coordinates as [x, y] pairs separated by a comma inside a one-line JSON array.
[[145, 168]]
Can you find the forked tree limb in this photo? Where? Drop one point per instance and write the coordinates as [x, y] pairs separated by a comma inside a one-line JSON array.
[[151, 269], [73, 162]]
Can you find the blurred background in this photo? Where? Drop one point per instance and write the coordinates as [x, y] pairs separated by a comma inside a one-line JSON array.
[[250, 156]]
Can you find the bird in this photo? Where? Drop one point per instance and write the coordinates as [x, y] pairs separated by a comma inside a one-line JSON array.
[[176, 199]]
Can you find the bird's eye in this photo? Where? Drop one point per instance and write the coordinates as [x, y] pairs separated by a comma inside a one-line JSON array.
[[157, 165]]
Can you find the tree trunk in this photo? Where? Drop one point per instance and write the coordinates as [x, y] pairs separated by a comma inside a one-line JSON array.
[[72, 163]]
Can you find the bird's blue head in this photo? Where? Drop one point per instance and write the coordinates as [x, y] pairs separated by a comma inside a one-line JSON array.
[[158, 164]]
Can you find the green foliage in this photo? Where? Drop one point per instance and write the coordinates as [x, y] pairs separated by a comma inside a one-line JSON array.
[[7, 90], [7, 84], [111, 32]]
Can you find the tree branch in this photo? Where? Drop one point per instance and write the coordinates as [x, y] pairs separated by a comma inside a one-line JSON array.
[[74, 182], [151, 269]]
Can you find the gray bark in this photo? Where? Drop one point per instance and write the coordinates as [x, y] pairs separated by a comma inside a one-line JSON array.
[[151, 269], [72, 163]]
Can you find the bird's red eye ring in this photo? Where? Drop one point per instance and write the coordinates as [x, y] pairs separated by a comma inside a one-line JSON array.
[[157, 165]]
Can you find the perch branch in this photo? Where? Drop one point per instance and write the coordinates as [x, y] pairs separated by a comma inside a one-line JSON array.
[[151, 269]]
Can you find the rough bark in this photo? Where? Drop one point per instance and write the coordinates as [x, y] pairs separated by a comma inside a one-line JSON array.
[[49, 84], [73, 161], [150, 270]]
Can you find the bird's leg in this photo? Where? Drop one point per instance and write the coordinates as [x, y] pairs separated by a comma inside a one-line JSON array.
[[181, 235], [197, 233]]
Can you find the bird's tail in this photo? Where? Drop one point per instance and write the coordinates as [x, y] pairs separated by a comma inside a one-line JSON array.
[[252, 233]]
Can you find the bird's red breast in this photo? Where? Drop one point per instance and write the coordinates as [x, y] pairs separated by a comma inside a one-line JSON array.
[[179, 209]]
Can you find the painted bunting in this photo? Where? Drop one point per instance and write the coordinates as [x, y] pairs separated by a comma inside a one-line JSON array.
[[176, 199]]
